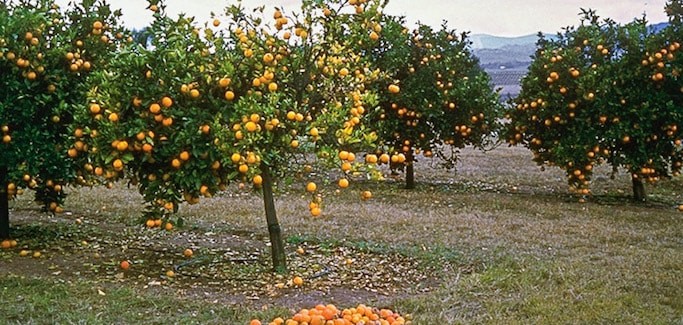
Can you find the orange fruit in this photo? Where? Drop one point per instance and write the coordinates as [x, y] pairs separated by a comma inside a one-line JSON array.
[[117, 164], [188, 253], [250, 126], [229, 95], [258, 180], [394, 89], [298, 281], [366, 195], [97, 25], [236, 157], [311, 187], [168, 226], [374, 36], [243, 168], [175, 163], [125, 265], [6, 244], [255, 322], [167, 121], [224, 82], [216, 23], [184, 156], [194, 93], [122, 145], [170, 273], [315, 212], [95, 108], [343, 183], [166, 101], [154, 108]]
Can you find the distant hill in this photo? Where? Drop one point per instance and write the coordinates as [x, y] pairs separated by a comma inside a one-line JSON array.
[[507, 59], [486, 41]]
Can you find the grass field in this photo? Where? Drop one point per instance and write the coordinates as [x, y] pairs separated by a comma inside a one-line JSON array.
[[497, 242]]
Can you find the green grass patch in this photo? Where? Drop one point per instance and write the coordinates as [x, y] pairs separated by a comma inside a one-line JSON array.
[[28, 301]]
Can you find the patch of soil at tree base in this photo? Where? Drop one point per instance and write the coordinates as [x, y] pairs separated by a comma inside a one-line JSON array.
[[228, 268]]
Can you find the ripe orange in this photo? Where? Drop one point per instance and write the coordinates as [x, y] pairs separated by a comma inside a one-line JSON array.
[[229, 95], [236, 157], [175, 163], [272, 87], [170, 273], [298, 281], [194, 93], [122, 145], [250, 126], [394, 89], [113, 117], [255, 322], [366, 195], [294, 144], [95, 108], [374, 36], [167, 121], [315, 212], [6, 138], [243, 168], [167, 102], [224, 82], [125, 265], [168, 226], [118, 165], [184, 156], [6, 244], [188, 253], [311, 187], [343, 183], [154, 108], [258, 180]]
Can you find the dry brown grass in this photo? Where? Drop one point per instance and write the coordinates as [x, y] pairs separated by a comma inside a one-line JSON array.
[[521, 249]]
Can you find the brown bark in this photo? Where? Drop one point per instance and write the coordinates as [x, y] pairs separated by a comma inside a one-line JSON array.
[[277, 246]]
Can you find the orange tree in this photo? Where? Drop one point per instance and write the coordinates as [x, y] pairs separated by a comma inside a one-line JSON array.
[[249, 100], [434, 97], [45, 56], [604, 93]]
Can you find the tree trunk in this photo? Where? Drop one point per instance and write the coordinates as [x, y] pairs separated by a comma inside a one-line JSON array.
[[4, 204], [277, 246], [639, 194], [410, 171]]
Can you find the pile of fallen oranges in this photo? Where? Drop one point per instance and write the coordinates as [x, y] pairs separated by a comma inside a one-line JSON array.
[[330, 315]]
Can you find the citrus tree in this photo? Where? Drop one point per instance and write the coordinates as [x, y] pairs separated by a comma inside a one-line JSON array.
[[248, 99], [435, 99], [46, 54], [604, 93]]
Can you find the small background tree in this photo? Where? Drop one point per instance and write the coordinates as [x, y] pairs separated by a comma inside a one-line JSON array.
[[435, 99], [604, 93]]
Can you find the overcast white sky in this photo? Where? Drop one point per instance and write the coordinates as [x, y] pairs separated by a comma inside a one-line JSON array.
[[497, 17]]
